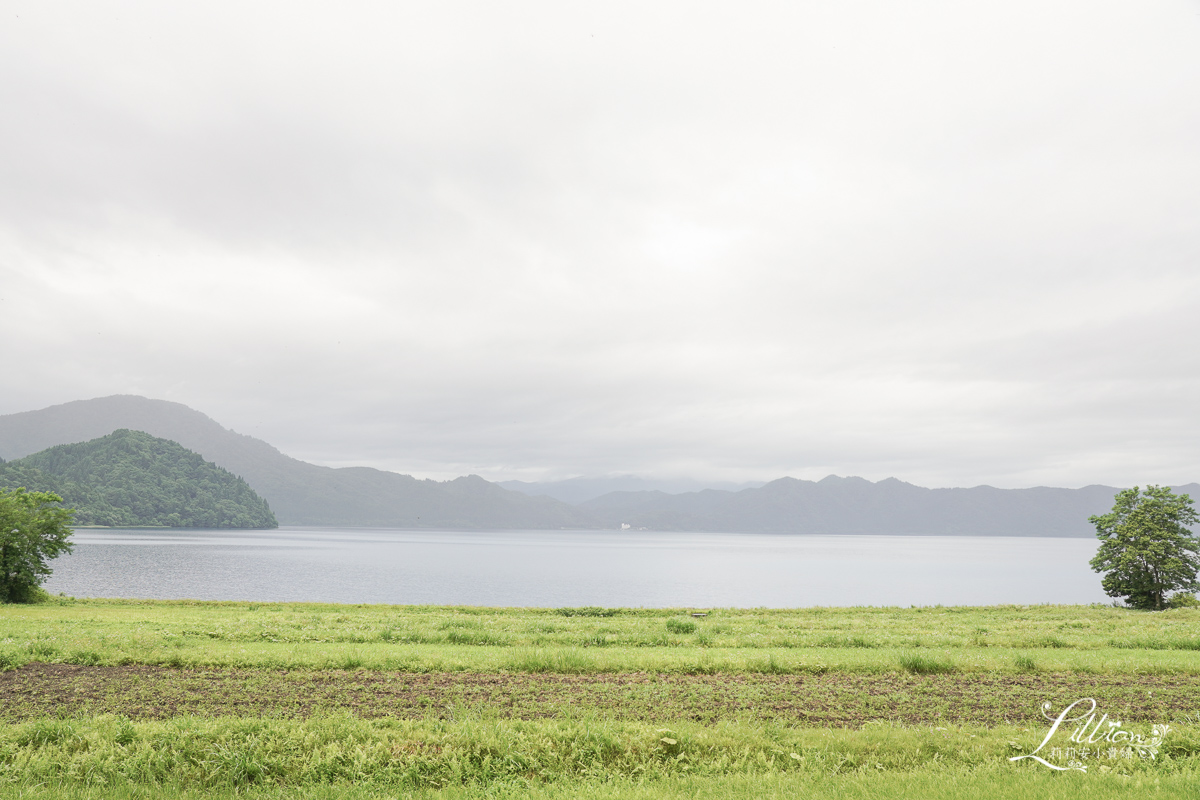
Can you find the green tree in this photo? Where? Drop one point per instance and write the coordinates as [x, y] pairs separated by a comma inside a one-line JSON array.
[[1146, 546], [33, 530]]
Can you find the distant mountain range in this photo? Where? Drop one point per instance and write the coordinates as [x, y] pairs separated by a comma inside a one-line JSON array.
[[305, 494], [580, 490], [856, 506], [132, 479], [298, 492]]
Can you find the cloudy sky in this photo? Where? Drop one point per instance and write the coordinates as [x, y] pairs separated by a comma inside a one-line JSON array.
[[954, 243]]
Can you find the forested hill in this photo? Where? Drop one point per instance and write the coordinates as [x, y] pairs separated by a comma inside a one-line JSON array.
[[299, 493], [307, 494], [132, 479]]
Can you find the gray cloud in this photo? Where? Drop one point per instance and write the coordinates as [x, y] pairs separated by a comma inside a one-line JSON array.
[[947, 243]]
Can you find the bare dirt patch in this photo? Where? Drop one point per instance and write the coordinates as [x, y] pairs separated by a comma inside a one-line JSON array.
[[832, 699]]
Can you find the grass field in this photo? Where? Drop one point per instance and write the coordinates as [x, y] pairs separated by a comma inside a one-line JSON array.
[[161, 699]]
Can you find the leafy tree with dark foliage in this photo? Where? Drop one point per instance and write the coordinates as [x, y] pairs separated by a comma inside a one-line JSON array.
[[33, 530], [1147, 548]]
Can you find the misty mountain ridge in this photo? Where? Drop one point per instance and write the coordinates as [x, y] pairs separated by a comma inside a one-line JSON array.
[[836, 505], [306, 494], [298, 492], [580, 490]]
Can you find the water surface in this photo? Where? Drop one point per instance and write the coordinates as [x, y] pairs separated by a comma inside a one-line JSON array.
[[573, 568]]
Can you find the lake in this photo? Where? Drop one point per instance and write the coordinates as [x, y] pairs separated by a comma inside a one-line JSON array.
[[576, 568]]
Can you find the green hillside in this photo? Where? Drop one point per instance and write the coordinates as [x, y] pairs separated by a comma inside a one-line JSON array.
[[299, 493], [132, 479]]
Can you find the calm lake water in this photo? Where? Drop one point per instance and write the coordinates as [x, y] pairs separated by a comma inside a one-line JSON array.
[[574, 568]]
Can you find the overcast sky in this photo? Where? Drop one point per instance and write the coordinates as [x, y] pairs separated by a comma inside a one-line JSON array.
[[955, 243]]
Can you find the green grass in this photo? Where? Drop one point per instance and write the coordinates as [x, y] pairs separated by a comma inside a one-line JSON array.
[[1004, 639], [931, 784], [227, 754], [651, 736], [920, 664]]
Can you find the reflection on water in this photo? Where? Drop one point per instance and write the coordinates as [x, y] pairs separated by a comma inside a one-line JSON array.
[[572, 568]]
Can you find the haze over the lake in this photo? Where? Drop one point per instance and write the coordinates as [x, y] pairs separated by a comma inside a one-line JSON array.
[[954, 243]]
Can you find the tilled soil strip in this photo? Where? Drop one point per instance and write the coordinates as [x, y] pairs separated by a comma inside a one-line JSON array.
[[833, 699]]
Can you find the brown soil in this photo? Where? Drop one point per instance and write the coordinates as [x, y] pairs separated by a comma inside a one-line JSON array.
[[834, 699]]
